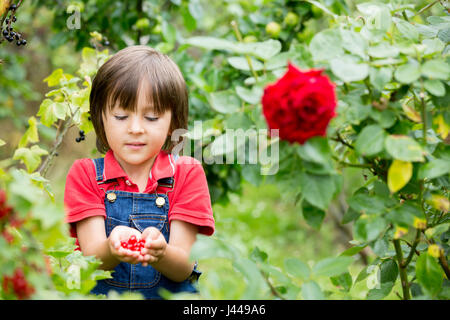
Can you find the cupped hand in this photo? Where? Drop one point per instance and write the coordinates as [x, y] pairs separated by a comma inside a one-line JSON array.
[[123, 233], [155, 246]]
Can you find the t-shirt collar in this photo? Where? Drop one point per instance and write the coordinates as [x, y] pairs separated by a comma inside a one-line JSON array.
[[163, 166]]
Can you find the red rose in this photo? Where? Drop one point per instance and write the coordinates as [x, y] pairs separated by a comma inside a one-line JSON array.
[[300, 104]]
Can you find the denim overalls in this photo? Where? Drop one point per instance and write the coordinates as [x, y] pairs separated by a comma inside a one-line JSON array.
[[139, 211]]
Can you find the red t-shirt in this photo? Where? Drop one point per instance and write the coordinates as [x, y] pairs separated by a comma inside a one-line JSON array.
[[189, 201]]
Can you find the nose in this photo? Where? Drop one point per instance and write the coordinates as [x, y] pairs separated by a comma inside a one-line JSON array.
[[135, 125]]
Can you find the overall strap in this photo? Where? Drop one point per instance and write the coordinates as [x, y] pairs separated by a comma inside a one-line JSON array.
[[99, 165], [169, 181]]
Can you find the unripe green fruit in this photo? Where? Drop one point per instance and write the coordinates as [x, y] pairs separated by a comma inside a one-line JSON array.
[[273, 29], [291, 19], [317, 12], [142, 23], [157, 29], [250, 38]]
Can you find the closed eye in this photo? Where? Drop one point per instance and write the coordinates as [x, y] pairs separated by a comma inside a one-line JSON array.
[[120, 118]]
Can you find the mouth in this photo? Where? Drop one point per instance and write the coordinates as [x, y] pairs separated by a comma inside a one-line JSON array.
[[135, 145]]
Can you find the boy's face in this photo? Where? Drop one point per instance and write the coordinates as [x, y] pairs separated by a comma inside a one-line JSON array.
[[125, 129]]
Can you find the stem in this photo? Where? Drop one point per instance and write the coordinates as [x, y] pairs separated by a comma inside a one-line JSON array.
[[66, 125], [341, 140], [402, 270], [423, 112], [272, 288], [413, 249], [444, 265], [247, 57], [46, 164], [428, 6]]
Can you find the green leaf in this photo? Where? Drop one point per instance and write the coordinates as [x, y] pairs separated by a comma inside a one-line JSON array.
[[379, 77], [312, 291], [313, 215], [370, 140], [262, 50], [31, 135], [252, 275], [317, 189], [404, 215], [348, 70], [435, 87], [429, 274], [252, 95], [383, 50], [407, 29], [368, 227], [404, 148], [30, 157], [241, 63], [378, 16], [330, 267], [388, 271], [297, 268], [367, 203], [50, 111], [326, 45], [399, 174], [436, 69], [211, 43], [353, 250], [433, 169], [208, 247], [408, 73], [224, 101], [88, 66], [354, 42], [344, 281], [316, 150], [54, 79], [169, 32], [380, 293]]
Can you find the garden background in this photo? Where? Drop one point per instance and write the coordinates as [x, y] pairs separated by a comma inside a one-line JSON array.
[[360, 213]]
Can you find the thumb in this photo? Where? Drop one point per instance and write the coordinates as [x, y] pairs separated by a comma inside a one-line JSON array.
[[151, 233]]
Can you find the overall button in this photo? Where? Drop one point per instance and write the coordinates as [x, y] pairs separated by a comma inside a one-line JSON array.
[[160, 201], [128, 182], [111, 197]]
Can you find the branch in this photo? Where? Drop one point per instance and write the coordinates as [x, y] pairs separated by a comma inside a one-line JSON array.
[[341, 140], [413, 249], [444, 265], [46, 164], [402, 270], [272, 288], [247, 57], [428, 6]]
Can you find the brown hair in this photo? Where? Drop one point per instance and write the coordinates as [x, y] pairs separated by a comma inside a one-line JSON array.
[[119, 80]]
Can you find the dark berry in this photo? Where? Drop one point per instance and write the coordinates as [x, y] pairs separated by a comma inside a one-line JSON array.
[[24, 42], [78, 139], [83, 138], [13, 7], [19, 43], [5, 32], [14, 19], [81, 133]]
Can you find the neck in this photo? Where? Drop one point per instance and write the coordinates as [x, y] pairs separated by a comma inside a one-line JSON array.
[[139, 171]]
